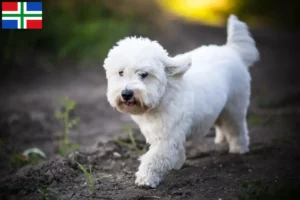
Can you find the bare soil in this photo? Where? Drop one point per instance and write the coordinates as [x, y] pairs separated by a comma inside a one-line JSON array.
[[268, 171]]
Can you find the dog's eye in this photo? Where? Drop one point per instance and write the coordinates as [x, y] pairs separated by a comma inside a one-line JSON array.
[[121, 73], [144, 75]]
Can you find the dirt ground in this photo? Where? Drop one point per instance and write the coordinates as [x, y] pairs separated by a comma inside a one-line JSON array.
[[268, 171]]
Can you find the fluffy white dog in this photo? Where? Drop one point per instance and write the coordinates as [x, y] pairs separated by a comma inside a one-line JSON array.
[[172, 97]]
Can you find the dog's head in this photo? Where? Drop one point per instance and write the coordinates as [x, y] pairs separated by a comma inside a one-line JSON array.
[[138, 71]]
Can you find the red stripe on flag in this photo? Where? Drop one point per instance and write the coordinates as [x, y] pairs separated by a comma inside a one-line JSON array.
[[9, 6], [34, 24]]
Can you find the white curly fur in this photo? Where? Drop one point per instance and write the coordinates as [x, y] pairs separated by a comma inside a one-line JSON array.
[[191, 92]]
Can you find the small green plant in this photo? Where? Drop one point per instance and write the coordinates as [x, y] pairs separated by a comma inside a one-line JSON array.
[[89, 176], [18, 160], [65, 146], [29, 156], [132, 145], [49, 193], [34, 155]]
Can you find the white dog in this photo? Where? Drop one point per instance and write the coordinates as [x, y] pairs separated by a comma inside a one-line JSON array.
[[172, 97]]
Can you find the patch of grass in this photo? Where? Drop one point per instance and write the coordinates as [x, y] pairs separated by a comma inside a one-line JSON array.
[[18, 160], [65, 146], [29, 156], [256, 120], [265, 190], [49, 193], [34, 155], [89, 176], [132, 145]]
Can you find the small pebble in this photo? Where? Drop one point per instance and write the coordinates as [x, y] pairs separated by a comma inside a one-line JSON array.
[[116, 154]]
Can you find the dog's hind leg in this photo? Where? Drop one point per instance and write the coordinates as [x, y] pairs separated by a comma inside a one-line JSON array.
[[237, 136], [233, 125]]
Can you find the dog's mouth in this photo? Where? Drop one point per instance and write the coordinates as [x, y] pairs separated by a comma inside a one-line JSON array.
[[133, 106], [130, 103]]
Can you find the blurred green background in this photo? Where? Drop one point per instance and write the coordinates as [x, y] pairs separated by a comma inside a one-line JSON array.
[[85, 30]]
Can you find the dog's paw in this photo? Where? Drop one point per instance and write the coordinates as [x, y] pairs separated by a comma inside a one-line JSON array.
[[148, 181], [239, 145], [238, 149]]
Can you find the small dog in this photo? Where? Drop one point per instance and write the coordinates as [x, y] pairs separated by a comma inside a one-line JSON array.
[[172, 97]]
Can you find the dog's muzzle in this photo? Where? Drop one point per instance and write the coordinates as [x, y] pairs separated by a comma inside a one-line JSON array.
[[128, 97]]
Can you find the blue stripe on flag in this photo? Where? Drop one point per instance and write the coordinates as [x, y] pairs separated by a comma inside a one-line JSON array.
[[9, 24], [34, 6]]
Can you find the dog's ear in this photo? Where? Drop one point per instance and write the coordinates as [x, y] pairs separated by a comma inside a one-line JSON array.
[[177, 65]]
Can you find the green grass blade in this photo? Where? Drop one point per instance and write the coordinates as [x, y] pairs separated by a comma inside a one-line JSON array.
[[132, 137], [87, 174], [106, 176], [124, 143]]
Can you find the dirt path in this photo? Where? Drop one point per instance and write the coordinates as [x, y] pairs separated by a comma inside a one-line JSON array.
[[27, 120]]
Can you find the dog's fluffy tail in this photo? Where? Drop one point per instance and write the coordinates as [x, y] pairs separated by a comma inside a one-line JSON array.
[[239, 39]]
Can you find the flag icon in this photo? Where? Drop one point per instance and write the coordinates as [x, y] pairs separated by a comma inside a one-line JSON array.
[[22, 15]]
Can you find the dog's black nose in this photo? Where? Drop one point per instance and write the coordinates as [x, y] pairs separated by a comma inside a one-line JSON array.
[[127, 94]]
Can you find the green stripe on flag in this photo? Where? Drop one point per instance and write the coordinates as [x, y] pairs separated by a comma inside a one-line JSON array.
[[22, 13], [19, 15]]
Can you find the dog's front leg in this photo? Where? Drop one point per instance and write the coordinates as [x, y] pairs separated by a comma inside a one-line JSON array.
[[161, 158]]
